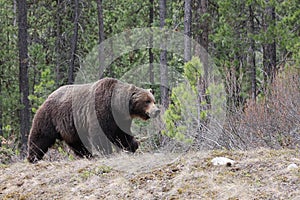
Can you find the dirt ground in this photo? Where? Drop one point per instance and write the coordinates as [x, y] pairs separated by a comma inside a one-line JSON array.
[[259, 174]]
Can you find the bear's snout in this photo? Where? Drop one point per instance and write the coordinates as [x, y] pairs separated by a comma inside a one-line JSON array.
[[154, 112]]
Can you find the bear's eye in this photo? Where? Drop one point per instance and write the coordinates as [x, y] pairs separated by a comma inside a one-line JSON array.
[[148, 102]]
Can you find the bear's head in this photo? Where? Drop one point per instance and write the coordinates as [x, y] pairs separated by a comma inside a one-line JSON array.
[[142, 104]]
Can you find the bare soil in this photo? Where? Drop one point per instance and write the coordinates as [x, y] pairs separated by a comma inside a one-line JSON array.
[[257, 174]]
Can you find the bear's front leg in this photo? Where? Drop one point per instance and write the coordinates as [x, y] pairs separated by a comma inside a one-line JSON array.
[[126, 141], [38, 146], [42, 136], [133, 144]]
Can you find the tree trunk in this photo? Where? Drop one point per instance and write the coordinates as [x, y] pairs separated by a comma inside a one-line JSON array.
[[1, 106], [74, 43], [269, 47], [252, 56], [187, 30], [101, 38], [110, 70], [57, 44], [23, 74], [151, 56], [203, 36], [202, 39], [163, 59]]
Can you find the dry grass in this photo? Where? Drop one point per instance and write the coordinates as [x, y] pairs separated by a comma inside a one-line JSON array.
[[259, 174]]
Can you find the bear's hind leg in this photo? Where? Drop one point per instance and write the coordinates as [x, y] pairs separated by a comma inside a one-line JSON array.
[[79, 149]]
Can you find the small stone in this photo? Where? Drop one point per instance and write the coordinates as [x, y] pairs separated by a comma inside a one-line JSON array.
[[292, 166], [222, 161]]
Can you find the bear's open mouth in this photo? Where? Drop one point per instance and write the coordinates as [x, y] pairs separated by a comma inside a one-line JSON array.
[[147, 115]]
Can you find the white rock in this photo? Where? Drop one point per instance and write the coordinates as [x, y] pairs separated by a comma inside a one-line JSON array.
[[292, 166], [222, 161]]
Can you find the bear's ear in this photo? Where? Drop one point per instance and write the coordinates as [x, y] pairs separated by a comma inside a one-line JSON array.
[[151, 91], [132, 94], [132, 90]]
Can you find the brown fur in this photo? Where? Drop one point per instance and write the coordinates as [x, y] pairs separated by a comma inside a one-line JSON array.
[[115, 103]]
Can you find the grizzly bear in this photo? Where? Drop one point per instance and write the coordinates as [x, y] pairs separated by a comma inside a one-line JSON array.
[[90, 116]]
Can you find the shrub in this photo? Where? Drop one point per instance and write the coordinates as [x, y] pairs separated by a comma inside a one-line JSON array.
[[194, 105], [274, 120]]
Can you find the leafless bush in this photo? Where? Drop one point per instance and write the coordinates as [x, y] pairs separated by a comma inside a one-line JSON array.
[[273, 121]]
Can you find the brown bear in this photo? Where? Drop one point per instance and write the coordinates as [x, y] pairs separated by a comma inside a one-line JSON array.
[[90, 115]]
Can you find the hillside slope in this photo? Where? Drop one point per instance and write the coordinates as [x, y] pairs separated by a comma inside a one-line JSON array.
[[260, 174]]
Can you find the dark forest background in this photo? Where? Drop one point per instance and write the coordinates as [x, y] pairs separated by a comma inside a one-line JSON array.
[[255, 45]]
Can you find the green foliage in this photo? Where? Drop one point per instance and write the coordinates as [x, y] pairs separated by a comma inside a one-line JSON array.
[[63, 152], [231, 37], [183, 112], [193, 71], [87, 172], [193, 106], [9, 92], [42, 90], [173, 117], [6, 155], [288, 28]]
